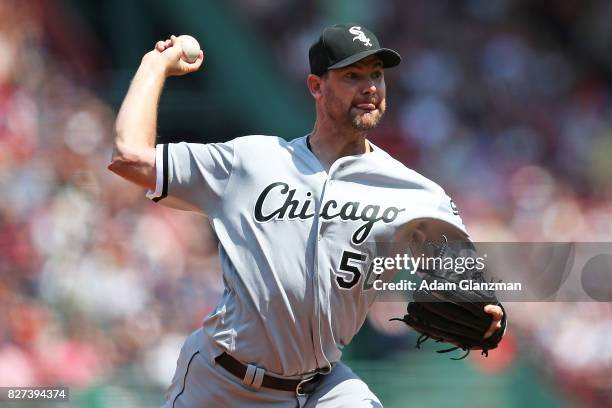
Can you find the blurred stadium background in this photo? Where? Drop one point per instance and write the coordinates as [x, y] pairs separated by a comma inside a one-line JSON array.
[[506, 103]]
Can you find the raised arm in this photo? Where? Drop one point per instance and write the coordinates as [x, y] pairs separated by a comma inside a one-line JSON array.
[[136, 124]]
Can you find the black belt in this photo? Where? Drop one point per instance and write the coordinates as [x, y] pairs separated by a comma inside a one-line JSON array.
[[300, 387]]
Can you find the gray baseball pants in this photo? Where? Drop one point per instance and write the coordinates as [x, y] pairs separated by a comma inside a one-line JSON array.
[[200, 382]]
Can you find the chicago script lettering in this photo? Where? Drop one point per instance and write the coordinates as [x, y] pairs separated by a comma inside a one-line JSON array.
[[285, 205]]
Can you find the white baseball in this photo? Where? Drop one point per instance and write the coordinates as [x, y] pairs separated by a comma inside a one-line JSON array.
[[191, 48]]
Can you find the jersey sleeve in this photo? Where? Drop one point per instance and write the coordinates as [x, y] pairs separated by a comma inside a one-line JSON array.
[[192, 176], [447, 211]]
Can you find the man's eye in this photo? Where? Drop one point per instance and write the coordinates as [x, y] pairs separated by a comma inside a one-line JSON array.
[[351, 75], [377, 74]]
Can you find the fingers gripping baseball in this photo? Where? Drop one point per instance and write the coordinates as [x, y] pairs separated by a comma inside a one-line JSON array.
[[175, 53]]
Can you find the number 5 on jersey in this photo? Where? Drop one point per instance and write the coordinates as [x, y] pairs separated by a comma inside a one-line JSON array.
[[349, 273]]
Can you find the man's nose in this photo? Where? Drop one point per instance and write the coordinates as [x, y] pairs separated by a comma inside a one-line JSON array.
[[369, 88]]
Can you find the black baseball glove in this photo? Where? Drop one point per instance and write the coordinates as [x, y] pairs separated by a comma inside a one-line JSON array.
[[449, 303]]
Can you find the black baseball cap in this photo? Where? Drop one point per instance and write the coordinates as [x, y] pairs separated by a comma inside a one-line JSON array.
[[344, 44]]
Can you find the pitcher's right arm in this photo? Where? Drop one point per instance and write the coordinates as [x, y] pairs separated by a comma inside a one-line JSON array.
[[136, 124]]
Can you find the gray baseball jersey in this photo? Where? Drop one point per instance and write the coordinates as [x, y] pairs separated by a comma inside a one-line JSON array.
[[293, 239]]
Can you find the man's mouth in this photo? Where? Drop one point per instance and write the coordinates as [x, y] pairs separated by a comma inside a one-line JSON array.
[[366, 106]]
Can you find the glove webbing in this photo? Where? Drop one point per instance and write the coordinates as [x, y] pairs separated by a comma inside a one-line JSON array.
[[426, 336]]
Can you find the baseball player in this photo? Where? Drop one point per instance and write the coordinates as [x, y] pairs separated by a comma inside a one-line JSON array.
[[295, 221]]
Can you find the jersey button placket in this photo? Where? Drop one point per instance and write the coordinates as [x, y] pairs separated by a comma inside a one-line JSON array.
[[319, 290], [322, 224]]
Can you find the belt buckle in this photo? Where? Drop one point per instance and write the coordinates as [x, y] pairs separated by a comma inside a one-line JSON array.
[[302, 382]]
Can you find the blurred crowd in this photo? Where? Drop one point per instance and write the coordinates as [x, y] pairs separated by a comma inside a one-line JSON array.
[[93, 276], [506, 104]]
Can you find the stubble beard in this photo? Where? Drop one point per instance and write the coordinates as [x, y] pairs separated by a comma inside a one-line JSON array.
[[363, 120], [354, 117]]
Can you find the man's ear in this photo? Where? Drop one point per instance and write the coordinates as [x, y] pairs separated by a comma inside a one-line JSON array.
[[314, 83]]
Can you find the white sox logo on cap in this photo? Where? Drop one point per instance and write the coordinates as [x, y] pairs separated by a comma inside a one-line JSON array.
[[360, 35], [342, 45]]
